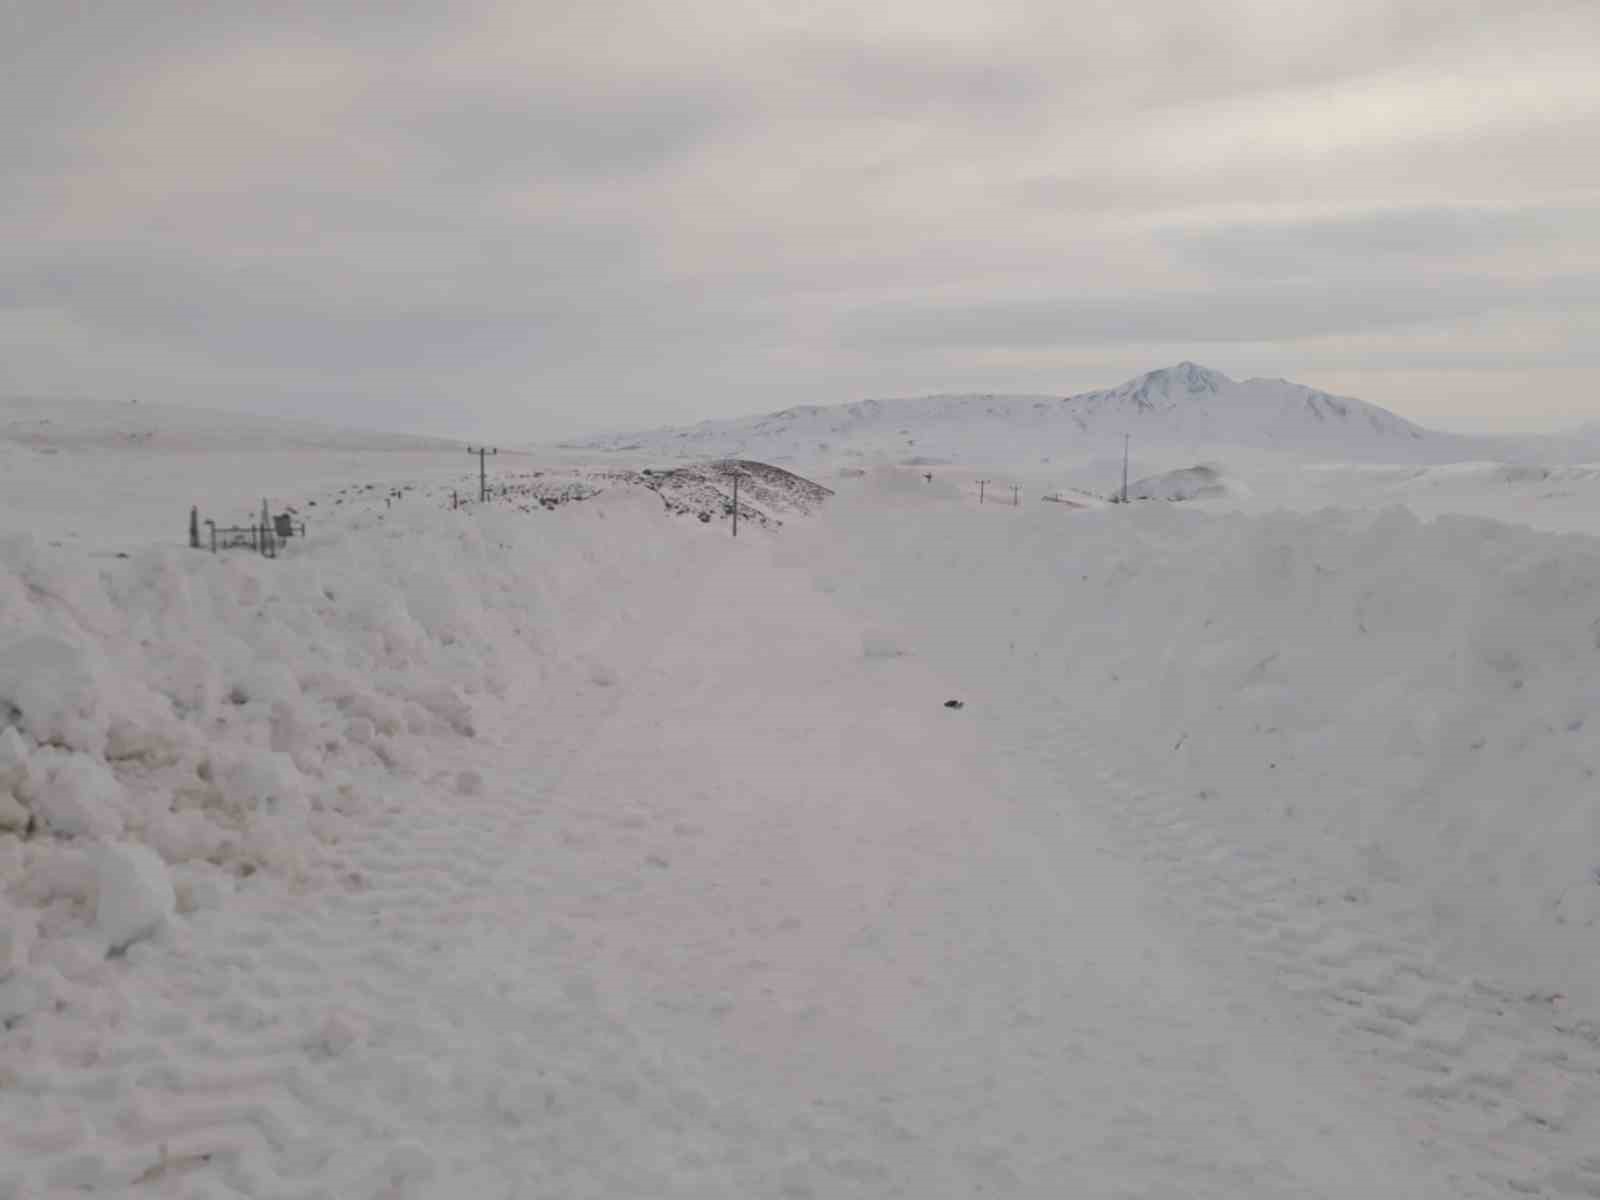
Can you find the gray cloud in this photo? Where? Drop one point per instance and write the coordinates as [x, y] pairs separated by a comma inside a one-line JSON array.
[[493, 135], [1436, 233], [1240, 313], [523, 218], [916, 76]]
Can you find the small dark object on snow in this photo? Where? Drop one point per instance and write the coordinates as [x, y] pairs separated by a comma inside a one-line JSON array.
[[955, 704]]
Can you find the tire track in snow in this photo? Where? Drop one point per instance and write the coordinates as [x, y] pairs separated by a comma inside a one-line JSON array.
[[1493, 1086], [225, 1053]]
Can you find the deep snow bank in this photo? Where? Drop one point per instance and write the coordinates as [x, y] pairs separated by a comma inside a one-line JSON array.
[[1415, 706], [230, 713], [1201, 482]]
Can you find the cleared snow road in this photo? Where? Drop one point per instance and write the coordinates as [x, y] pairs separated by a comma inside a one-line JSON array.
[[843, 943], [891, 942]]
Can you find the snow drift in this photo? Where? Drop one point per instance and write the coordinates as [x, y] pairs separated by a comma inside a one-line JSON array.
[[1411, 705], [180, 725]]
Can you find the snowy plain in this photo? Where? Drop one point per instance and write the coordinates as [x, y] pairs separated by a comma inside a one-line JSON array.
[[581, 850]]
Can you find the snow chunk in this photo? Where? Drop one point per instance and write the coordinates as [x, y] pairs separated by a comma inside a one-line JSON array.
[[57, 691], [184, 836], [80, 799], [63, 874], [135, 894], [259, 781]]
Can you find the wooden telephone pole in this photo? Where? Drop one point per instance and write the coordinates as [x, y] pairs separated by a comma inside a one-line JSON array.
[[483, 471]]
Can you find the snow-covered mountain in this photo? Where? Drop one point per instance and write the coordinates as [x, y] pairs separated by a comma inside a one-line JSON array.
[[1182, 406], [1197, 403]]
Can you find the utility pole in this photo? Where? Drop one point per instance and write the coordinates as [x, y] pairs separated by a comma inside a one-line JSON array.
[[1125, 439], [483, 471]]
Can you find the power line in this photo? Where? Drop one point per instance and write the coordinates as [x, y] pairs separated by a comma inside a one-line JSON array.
[[483, 472]]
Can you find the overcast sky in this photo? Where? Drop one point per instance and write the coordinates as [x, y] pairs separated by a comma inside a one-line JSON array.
[[524, 220]]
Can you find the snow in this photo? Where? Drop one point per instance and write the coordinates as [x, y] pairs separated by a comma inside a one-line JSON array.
[[878, 643], [564, 845], [13, 817], [16, 781], [16, 938], [51, 684], [1179, 414], [80, 798], [1201, 482], [1406, 702], [1186, 407], [133, 895]]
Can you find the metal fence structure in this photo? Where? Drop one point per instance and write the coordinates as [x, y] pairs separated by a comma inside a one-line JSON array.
[[264, 537]]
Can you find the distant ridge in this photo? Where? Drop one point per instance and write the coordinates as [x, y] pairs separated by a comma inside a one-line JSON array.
[[1181, 406], [53, 422]]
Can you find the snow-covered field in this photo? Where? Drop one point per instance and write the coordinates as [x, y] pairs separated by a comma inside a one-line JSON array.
[[564, 846]]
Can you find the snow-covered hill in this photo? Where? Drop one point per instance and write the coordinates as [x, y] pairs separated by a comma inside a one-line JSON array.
[[1201, 482], [1187, 406], [768, 495]]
